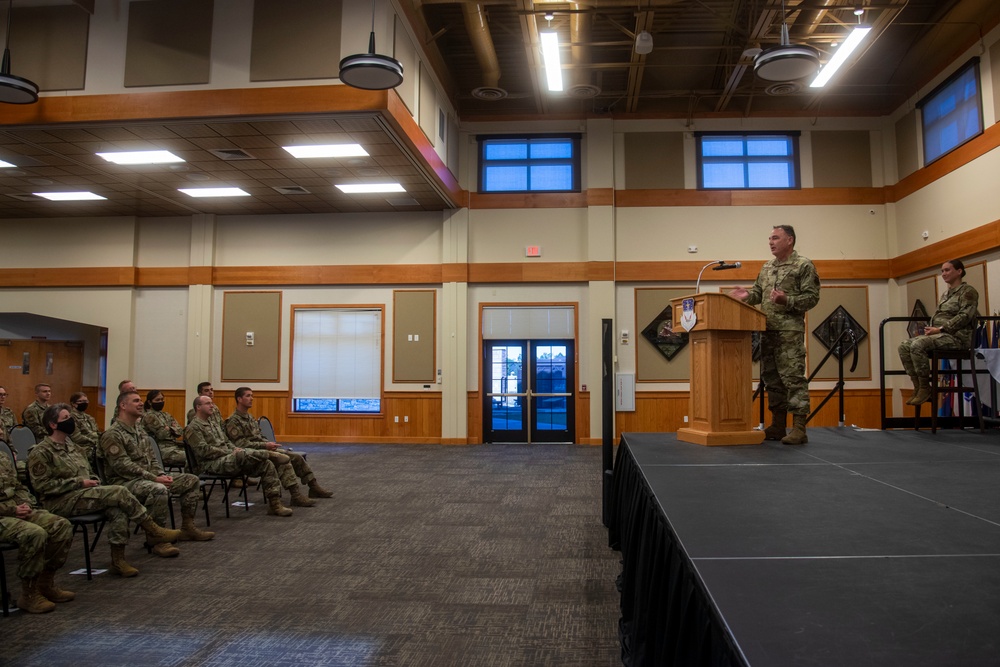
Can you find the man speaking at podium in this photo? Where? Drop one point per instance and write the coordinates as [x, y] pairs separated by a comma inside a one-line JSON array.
[[786, 288]]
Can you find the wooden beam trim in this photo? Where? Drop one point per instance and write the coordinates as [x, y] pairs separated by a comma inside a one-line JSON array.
[[978, 240], [362, 274], [804, 197], [958, 158], [90, 276]]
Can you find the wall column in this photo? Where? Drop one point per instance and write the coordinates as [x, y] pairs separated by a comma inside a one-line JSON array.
[[455, 328], [198, 364]]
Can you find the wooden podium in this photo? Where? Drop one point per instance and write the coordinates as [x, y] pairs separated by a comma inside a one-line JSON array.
[[721, 363]]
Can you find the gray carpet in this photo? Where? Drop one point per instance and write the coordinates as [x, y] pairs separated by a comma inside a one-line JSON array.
[[427, 555]]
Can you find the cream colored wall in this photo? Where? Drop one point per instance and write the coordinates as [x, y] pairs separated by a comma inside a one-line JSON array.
[[500, 235], [163, 242], [740, 233], [161, 323], [67, 242], [346, 239]]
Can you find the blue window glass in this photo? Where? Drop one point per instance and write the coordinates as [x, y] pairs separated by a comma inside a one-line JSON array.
[[529, 164], [742, 161], [952, 114]]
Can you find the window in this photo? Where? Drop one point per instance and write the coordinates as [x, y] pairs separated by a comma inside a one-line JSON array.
[[529, 164], [745, 161], [337, 360], [952, 113]]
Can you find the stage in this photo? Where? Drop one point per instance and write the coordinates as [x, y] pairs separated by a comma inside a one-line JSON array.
[[860, 548]]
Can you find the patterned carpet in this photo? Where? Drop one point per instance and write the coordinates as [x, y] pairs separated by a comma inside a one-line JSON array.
[[427, 555]]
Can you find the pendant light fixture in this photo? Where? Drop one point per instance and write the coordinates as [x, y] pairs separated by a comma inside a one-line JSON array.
[[14, 89], [786, 62], [371, 71]]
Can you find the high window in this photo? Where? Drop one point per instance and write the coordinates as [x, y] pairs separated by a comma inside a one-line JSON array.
[[952, 113], [337, 360], [733, 161], [529, 164]]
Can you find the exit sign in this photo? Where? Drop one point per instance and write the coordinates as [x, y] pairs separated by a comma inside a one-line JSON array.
[[532, 251]]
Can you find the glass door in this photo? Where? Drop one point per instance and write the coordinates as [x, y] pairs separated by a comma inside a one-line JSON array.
[[528, 402]]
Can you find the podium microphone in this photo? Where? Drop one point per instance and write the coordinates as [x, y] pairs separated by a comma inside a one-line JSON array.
[[721, 265]]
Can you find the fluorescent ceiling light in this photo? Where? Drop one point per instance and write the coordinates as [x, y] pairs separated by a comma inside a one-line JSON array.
[[550, 56], [327, 150], [840, 56], [141, 157], [4, 165], [68, 196], [214, 192], [363, 188]]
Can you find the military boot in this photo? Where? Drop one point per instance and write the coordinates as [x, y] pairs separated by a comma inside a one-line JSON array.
[[275, 508], [923, 391], [317, 491], [299, 500], [48, 589], [798, 434], [156, 534], [777, 430], [165, 550], [190, 532], [118, 563], [277, 458], [31, 600]]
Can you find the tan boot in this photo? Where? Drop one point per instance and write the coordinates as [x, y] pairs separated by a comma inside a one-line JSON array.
[[166, 550], [798, 434], [923, 391], [777, 430], [48, 589], [275, 508], [277, 458], [916, 389], [118, 563], [156, 534], [31, 600], [317, 491], [299, 500], [190, 532]]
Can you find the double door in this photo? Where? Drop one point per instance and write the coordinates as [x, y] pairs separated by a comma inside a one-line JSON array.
[[529, 390]]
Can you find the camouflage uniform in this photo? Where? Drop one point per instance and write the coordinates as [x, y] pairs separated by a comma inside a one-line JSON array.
[[165, 430], [956, 315], [782, 345], [217, 456], [43, 539], [86, 435], [57, 474], [32, 418], [244, 431], [8, 421], [131, 462], [216, 416]]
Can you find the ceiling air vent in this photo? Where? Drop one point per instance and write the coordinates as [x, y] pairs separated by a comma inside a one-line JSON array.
[[402, 201], [291, 190], [231, 154]]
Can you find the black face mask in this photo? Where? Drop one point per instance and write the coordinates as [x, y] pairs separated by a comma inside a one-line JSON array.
[[67, 426], [82, 407], [156, 406]]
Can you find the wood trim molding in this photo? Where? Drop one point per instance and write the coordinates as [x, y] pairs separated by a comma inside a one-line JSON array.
[[479, 200], [90, 276], [360, 274], [958, 158], [803, 197], [980, 239]]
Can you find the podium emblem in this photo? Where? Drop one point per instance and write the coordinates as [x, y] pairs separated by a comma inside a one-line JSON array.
[[688, 318]]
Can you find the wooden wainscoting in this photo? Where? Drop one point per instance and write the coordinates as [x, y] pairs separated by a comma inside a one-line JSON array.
[[94, 410], [664, 411]]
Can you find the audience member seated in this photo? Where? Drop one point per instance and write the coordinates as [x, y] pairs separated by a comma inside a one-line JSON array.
[[63, 479], [951, 328], [164, 429], [43, 540], [205, 389], [216, 455], [87, 434], [131, 462], [7, 419], [32, 415], [244, 431]]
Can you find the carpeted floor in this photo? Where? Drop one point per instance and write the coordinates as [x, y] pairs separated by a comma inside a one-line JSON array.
[[427, 555]]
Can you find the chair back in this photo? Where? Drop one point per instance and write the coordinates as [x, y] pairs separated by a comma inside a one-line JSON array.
[[6, 450], [21, 441], [192, 462], [155, 446], [266, 429]]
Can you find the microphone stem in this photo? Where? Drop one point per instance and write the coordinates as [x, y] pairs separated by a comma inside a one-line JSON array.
[[697, 285]]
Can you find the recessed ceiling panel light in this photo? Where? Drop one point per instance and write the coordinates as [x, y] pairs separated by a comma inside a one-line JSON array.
[[214, 192], [68, 196], [141, 157], [327, 150], [363, 188], [6, 165]]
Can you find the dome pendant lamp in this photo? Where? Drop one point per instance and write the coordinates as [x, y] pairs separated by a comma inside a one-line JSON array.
[[371, 71], [14, 89]]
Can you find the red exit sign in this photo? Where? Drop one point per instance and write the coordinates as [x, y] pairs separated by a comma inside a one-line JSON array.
[[532, 251]]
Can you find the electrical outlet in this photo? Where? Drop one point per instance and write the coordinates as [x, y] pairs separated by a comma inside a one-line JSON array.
[[406, 419], [396, 419]]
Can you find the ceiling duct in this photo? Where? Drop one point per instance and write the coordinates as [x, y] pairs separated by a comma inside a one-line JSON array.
[[580, 85], [809, 19], [486, 53]]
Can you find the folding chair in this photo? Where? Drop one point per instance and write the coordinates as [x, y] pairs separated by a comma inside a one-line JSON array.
[[267, 430], [208, 482], [4, 592]]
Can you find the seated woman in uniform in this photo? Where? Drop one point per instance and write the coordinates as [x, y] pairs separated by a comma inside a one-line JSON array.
[[164, 429]]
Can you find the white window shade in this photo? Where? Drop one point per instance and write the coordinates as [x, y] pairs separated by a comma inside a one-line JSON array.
[[337, 353], [535, 323]]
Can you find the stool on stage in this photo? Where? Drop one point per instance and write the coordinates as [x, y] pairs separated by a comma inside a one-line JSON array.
[[965, 373]]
